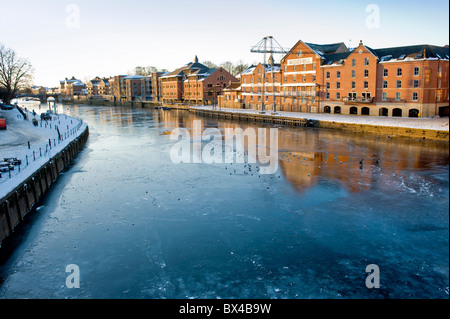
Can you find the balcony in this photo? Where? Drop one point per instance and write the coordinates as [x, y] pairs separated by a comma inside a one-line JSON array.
[[361, 100]]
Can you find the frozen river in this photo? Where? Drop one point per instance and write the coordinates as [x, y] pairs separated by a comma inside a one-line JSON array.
[[138, 225]]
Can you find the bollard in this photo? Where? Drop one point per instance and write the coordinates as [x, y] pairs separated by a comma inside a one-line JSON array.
[[27, 159], [29, 145], [34, 156], [40, 152]]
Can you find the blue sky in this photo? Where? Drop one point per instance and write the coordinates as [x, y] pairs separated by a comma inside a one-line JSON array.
[[110, 37]]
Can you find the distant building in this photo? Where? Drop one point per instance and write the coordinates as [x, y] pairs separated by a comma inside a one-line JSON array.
[[73, 86], [194, 83]]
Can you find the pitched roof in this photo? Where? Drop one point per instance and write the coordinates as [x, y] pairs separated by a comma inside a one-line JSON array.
[[328, 48], [422, 51], [395, 53], [190, 66]]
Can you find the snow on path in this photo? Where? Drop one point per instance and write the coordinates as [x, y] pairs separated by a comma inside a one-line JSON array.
[[428, 123], [14, 143]]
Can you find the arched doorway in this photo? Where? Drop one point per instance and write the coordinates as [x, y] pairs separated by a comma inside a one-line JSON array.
[[365, 111], [414, 113], [397, 112], [384, 111], [354, 110], [326, 109], [337, 110]]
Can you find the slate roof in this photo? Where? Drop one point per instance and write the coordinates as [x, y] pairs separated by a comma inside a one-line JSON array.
[[326, 48]]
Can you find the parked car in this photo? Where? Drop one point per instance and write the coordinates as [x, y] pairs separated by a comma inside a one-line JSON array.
[[2, 124]]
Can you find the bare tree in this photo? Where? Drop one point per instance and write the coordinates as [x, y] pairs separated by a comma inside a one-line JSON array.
[[240, 67], [228, 66], [210, 64], [15, 73]]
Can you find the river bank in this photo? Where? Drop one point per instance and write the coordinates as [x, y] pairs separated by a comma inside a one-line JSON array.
[[424, 128], [42, 152]]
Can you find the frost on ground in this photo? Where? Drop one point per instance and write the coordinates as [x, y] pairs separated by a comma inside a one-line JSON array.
[[31, 144], [427, 123]]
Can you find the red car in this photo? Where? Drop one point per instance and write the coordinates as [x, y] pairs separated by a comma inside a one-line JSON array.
[[2, 124]]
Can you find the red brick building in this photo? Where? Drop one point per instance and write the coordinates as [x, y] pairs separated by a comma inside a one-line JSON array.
[[407, 81], [194, 83], [261, 86]]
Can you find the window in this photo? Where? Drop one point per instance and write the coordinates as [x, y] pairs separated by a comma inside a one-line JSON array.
[[354, 62], [328, 95], [366, 84], [259, 71], [385, 84], [366, 73], [399, 72], [366, 61], [304, 67], [294, 79], [415, 96], [314, 78], [295, 67], [328, 75], [304, 78], [353, 84], [399, 84], [338, 96], [328, 85], [416, 71], [338, 74], [384, 96], [314, 65], [353, 73], [285, 79], [385, 72], [285, 68], [415, 83], [397, 96], [338, 85]]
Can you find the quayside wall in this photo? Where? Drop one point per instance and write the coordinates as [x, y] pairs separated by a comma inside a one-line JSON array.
[[21, 200], [436, 135]]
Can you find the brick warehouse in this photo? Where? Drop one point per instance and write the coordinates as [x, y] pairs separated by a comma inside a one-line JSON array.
[[194, 83], [407, 81]]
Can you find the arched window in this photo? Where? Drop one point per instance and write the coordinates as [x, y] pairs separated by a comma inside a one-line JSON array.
[[384, 111], [354, 110], [414, 113], [337, 110], [327, 109], [365, 111], [397, 112]]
